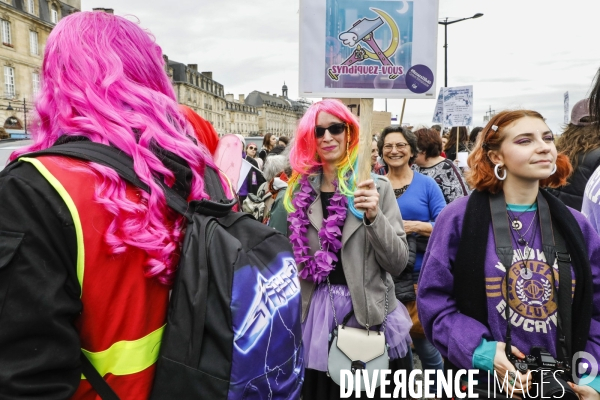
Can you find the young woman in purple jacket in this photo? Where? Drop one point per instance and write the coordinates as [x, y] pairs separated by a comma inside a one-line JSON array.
[[471, 295]]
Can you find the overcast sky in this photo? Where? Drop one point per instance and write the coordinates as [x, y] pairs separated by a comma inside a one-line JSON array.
[[520, 54]]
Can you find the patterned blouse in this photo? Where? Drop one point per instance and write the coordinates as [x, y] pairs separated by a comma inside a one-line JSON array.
[[449, 179]]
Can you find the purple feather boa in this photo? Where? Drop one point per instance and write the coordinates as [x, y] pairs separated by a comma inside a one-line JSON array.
[[317, 267]]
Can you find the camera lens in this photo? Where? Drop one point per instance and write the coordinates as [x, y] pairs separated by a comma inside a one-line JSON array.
[[552, 386]]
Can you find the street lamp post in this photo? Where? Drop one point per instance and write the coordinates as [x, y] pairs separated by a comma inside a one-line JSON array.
[[445, 22]]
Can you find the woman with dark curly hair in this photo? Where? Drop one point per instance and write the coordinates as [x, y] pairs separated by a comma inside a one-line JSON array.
[[430, 162], [499, 259], [581, 143]]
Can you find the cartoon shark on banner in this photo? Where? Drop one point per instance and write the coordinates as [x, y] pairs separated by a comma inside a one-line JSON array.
[[363, 30]]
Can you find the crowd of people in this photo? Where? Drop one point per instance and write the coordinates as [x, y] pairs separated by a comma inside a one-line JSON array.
[[469, 266]]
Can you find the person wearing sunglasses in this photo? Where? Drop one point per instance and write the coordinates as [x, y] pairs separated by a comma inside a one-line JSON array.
[[348, 240], [251, 151], [255, 178]]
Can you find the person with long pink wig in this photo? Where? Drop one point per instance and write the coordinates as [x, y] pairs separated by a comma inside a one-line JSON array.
[[348, 240], [86, 259]]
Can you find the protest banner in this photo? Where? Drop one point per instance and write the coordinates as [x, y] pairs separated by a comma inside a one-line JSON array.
[[368, 49]]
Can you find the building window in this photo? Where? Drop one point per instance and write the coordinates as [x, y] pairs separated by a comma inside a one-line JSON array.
[[9, 82], [31, 6], [54, 14], [35, 79], [33, 43], [6, 36]]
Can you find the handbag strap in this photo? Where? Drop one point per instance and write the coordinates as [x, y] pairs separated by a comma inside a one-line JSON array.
[[331, 300], [347, 316], [95, 379]]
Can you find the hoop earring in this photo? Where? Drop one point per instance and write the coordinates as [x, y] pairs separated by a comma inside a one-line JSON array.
[[553, 170], [498, 175]]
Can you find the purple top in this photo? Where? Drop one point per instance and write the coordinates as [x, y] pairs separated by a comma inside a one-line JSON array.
[[533, 303]]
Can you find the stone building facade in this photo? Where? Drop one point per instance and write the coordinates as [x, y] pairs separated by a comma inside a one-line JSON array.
[[240, 117], [200, 92], [24, 29], [276, 114]]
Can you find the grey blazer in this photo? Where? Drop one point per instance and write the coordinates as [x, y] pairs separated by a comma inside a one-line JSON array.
[[370, 254]]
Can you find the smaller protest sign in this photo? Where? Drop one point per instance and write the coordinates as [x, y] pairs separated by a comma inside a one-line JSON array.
[[458, 106]]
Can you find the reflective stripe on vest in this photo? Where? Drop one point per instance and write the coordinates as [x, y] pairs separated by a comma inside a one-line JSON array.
[[127, 356], [124, 357], [72, 209]]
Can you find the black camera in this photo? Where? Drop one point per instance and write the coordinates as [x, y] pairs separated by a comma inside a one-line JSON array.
[[549, 376]]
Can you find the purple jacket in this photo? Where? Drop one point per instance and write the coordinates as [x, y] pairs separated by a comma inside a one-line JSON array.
[[533, 306]]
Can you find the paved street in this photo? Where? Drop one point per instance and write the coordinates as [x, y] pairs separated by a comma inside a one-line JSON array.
[[8, 147]]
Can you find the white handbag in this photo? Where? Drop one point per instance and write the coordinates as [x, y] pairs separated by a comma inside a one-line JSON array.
[[356, 348]]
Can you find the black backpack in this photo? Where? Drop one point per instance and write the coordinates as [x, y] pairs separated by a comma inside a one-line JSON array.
[[233, 325]]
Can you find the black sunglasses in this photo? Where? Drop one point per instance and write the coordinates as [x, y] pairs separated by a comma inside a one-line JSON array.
[[334, 129], [251, 148]]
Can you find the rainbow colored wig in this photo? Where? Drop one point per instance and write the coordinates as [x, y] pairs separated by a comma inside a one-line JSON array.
[[103, 77], [304, 159]]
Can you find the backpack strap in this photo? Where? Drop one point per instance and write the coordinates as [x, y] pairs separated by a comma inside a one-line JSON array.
[[565, 321], [123, 165], [95, 379]]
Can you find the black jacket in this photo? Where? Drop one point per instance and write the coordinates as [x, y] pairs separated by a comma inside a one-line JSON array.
[[403, 283], [39, 290], [451, 152], [572, 193], [255, 178]]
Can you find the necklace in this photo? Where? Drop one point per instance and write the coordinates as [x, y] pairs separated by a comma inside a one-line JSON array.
[[524, 255], [400, 192], [521, 239], [516, 223], [317, 267]]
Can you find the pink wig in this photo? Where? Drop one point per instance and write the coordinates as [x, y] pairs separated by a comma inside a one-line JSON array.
[[305, 160], [103, 77]]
